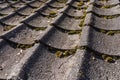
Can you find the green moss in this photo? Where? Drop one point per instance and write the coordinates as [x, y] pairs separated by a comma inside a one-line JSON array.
[[103, 31], [62, 53], [6, 28], [59, 54], [107, 6], [108, 58], [81, 3], [73, 51], [81, 23], [110, 16], [110, 33], [52, 14], [40, 28], [24, 46], [83, 19], [66, 53], [74, 32]]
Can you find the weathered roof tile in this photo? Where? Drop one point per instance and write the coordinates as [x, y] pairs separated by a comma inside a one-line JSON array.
[[59, 39]]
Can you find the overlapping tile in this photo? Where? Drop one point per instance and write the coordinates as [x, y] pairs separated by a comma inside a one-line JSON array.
[[67, 22], [7, 61], [22, 34], [102, 23], [38, 20], [18, 4], [100, 42], [35, 4], [49, 11], [93, 67], [6, 10], [50, 68], [31, 42], [12, 19], [101, 29], [26, 10], [27, 1], [56, 4], [3, 4], [13, 37], [106, 31], [60, 39]]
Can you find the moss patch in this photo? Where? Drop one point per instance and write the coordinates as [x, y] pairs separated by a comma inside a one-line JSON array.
[[74, 32], [102, 56], [81, 3], [24, 46], [52, 14], [6, 28], [62, 53]]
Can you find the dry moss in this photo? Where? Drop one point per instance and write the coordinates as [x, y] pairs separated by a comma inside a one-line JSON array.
[[81, 3], [111, 16], [103, 31], [62, 53], [83, 19], [81, 23], [110, 33], [65, 53], [74, 32], [59, 54], [104, 6], [40, 28], [108, 58], [6, 28], [52, 14], [24, 46]]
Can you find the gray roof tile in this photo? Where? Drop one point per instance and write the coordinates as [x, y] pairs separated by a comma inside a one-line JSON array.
[[59, 39]]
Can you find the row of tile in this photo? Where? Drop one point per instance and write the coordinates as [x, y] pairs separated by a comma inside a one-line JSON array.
[[45, 65], [34, 21], [98, 35], [11, 20], [99, 59], [17, 3], [26, 34]]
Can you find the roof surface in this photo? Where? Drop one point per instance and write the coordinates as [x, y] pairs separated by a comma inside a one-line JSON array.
[[59, 40]]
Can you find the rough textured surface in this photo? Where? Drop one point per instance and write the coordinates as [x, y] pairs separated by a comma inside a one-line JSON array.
[[59, 39]]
